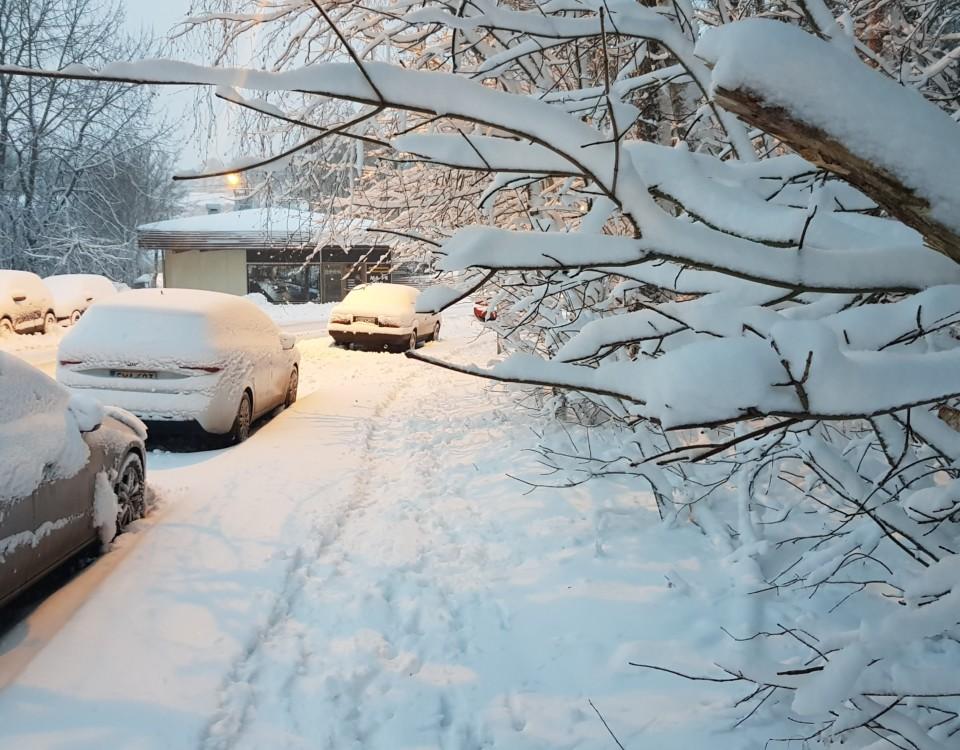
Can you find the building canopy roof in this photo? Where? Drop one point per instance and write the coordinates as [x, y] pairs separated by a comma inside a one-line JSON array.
[[272, 220], [253, 228]]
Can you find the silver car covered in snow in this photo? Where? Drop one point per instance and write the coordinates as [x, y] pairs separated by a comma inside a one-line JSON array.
[[182, 356]]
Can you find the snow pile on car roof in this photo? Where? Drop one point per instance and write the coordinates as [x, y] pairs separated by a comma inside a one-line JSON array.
[[145, 327], [381, 296], [40, 439]]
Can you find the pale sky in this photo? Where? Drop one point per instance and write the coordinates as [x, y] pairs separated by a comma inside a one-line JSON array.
[[160, 16]]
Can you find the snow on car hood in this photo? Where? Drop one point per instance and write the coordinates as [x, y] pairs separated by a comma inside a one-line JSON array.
[[40, 436]]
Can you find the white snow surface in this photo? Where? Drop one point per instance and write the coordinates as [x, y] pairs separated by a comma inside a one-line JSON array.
[[827, 87], [362, 573], [306, 312], [268, 221], [105, 508]]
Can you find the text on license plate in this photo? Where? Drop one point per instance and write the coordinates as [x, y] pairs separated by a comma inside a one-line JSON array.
[[142, 374], [363, 319]]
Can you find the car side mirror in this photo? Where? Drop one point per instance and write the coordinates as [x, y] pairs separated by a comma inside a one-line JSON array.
[[18, 296], [86, 411], [287, 341]]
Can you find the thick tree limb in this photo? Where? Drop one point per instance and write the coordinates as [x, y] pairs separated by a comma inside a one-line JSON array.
[[826, 152]]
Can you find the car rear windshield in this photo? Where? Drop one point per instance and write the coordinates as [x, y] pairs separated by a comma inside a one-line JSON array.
[[386, 296], [142, 334]]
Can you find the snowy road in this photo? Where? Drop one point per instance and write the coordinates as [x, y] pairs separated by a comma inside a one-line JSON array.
[[363, 574]]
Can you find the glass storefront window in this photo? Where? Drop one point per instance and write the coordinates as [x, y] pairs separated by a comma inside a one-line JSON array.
[[284, 283]]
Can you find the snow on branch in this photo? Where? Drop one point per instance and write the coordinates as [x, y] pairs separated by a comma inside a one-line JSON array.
[[852, 269], [842, 115]]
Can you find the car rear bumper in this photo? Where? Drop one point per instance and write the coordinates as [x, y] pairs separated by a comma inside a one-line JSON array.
[[213, 413], [372, 337]]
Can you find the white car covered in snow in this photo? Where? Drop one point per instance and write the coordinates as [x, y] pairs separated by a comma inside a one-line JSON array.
[[382, 316], [25, 304], [182, 356], [73, 293]]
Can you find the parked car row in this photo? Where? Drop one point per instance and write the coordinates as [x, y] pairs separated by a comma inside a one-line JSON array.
[[29, 304], [72, 453]]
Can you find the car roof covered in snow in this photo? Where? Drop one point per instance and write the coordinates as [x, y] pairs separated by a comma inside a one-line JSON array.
[[39, 436], [71, 290], [65, 280], [150, 325], [386, 292], [10, 278], [192, 301]]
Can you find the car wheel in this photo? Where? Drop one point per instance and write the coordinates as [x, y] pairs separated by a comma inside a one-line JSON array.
[[74, 317], [6, 327], [412, 344], [129, 489], [292, 385], [49, 322], [241, 423], [436, 333]]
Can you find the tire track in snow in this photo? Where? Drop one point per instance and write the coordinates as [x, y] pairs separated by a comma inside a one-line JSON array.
[[404, 644], [239, 694]]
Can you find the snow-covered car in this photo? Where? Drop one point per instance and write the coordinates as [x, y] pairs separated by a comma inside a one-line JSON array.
[[182, 356], [73, 293], [382, 316], [70, 472], [482, 311], [25, 303]]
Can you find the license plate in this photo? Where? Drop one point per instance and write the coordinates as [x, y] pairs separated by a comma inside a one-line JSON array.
[[138, 374], [362, 319]]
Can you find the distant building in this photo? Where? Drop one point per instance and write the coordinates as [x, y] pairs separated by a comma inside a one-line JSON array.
[[278, 252]]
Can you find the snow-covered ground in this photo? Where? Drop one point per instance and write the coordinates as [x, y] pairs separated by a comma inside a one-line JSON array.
[[363, 573]]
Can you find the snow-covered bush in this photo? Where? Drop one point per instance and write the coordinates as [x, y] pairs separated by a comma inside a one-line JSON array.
[[738, 245]]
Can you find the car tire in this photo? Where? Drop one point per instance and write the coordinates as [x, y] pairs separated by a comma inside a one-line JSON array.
[[130, 491], [49, 322], [292, 386], [6, 327], [75, 317], [412, 344], [436, 333], [244, 419]]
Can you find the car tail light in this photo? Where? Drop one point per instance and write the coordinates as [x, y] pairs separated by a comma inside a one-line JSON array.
[[211, 369], [341, 319], [70, 362]]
